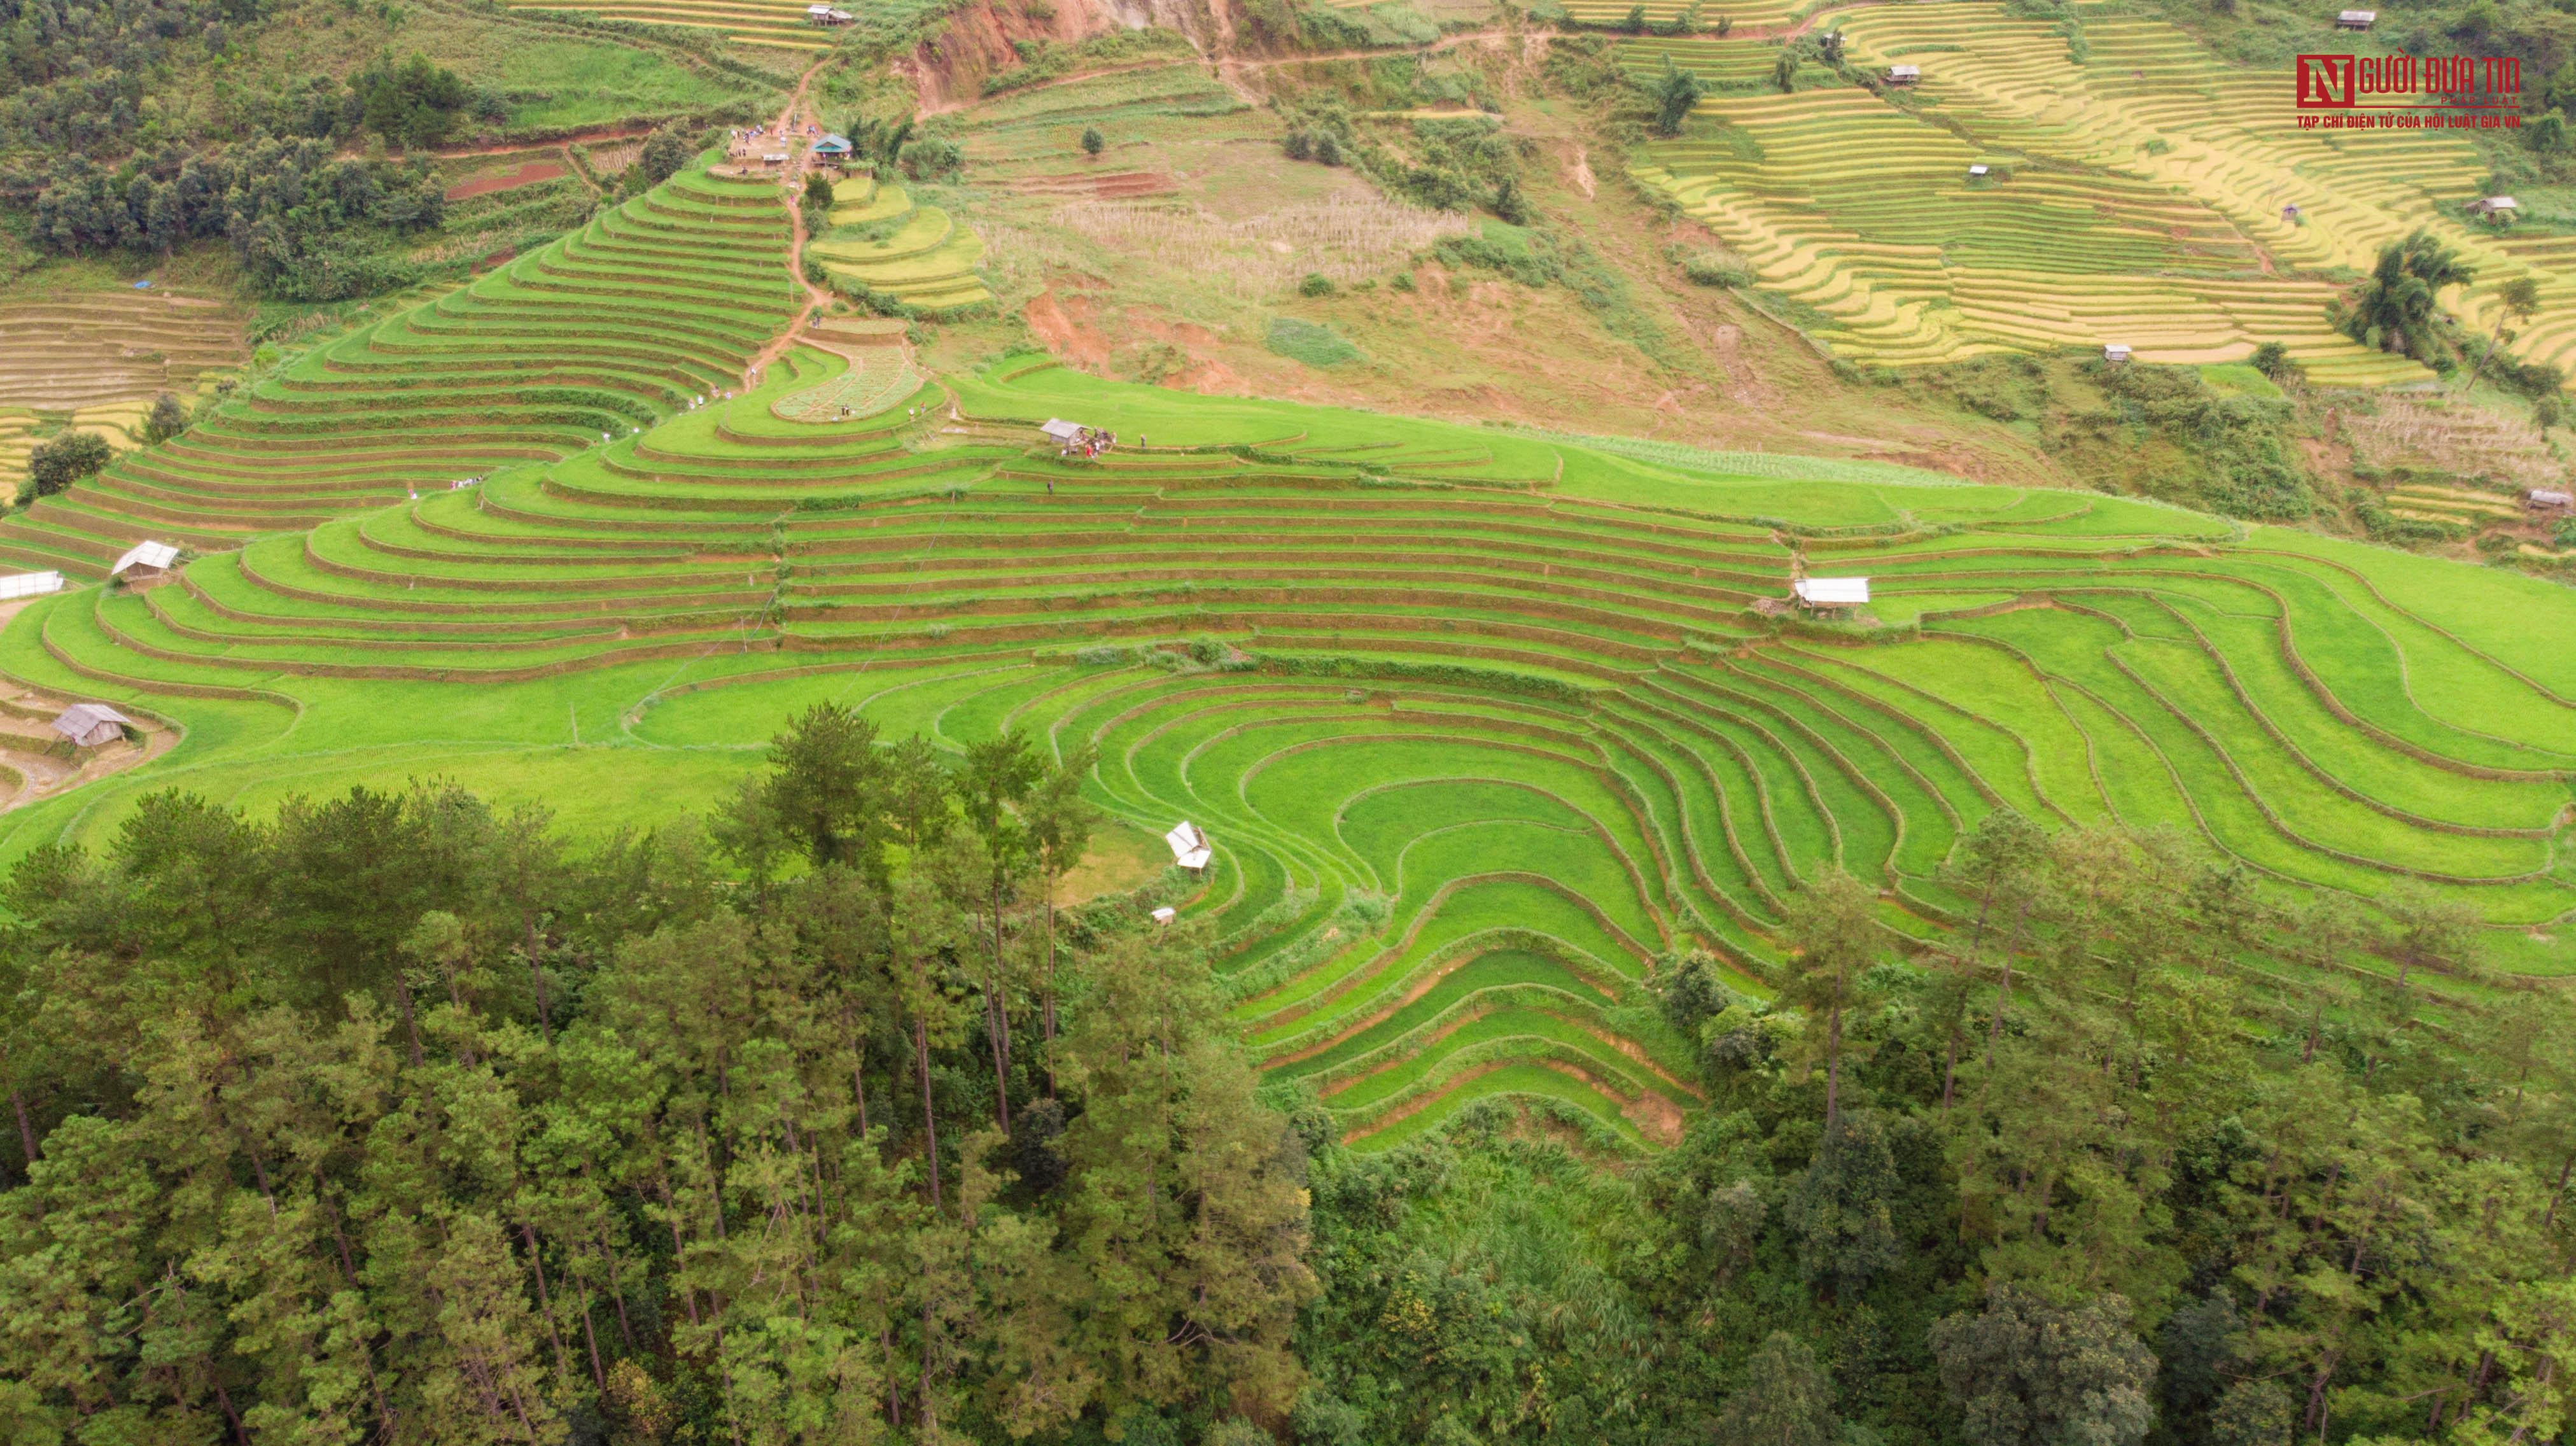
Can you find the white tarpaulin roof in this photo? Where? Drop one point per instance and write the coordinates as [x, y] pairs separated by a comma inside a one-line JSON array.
[[1061, 430], [1189, 846], [30, 584], [1832, 589], [150, 554]]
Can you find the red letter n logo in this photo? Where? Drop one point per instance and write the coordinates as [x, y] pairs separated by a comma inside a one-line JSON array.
[[2325, 81]]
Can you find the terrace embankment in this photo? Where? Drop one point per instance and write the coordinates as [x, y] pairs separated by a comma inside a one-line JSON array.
[[1484, 724]]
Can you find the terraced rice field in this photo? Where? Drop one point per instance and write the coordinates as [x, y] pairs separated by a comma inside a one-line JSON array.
[[648, 307], [1002, 134], [920, 255], [1493, 723], [93, 349], [2137, 198], [779, 24]]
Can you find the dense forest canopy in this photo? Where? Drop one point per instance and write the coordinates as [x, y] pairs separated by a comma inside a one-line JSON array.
[[400, 1119]]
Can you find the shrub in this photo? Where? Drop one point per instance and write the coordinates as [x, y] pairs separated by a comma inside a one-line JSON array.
[[1403, 281], [664, 153], [931, 157], [168, 419], [1315, 284], [1328, 150], [1092, 143], [1299, 145], [1304, 341], [2272, 359], [54, 466], [1677, 93], [1717, 268], [1635, 24]]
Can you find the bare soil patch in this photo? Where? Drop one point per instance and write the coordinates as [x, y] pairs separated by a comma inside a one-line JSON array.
[[526, 174]]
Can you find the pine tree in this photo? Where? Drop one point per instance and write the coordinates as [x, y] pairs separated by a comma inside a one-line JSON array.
[[1834, 939]]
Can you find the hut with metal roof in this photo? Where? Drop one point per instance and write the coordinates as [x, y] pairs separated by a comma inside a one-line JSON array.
[[90, 724]]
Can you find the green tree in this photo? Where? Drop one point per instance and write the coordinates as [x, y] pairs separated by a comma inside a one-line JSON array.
[[2517, 301], [664, 153], [1784, 73], [1635, 23], [995, 779], [72, 457], [169, 417], [1786, 1399], [2253, 1413], [1838, 1209], [2396, 308], [1676, 93], [1060, 825], [827, 787], [1092, 141], [2024, 1370], [1833, 939]]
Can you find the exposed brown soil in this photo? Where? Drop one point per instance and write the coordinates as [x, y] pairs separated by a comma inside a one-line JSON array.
[[527, 174], [1066, 326]]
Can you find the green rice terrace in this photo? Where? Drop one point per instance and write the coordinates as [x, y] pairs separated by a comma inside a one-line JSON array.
[[2130, 177], [1480, 721]]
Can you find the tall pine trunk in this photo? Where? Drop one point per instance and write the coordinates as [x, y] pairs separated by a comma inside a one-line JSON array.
[[996, 1026], [929, 1117]]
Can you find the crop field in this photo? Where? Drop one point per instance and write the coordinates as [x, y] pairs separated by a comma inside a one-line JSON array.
[[1482, 722], [648, 307], [918, 254], [780, 24], [2134, 196], [1042, 123], [93, 349]]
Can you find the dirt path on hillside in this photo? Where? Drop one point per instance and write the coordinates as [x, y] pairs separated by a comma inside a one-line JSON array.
[[792, 187]]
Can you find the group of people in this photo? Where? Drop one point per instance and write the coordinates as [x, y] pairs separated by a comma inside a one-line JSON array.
[[1089, 443]]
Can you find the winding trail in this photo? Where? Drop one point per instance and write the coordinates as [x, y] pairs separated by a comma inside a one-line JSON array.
[[791, 189]]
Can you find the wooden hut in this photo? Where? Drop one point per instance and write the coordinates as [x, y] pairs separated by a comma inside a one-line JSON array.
[[146, 563], [1904, 74], [90, 724]]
